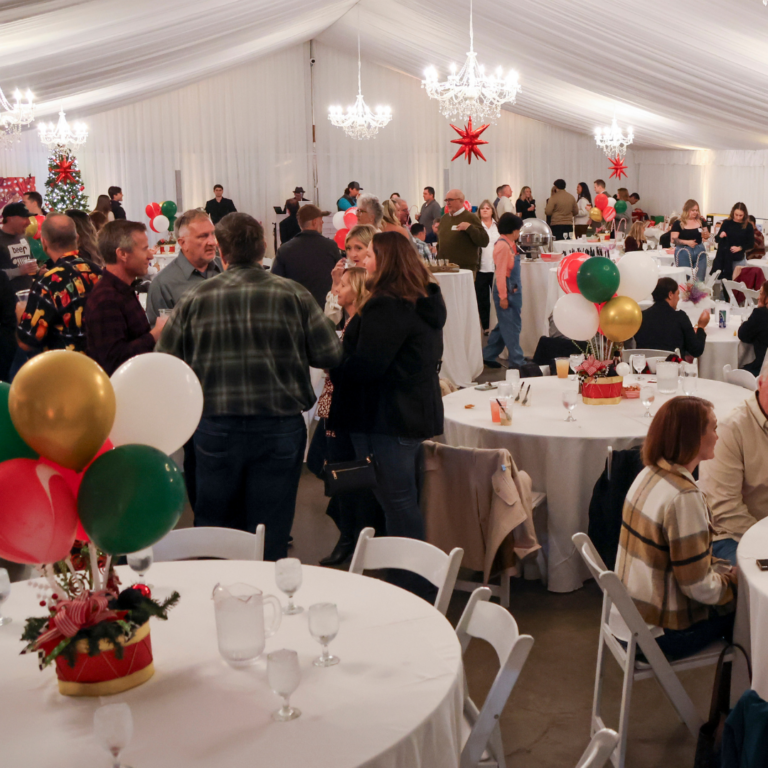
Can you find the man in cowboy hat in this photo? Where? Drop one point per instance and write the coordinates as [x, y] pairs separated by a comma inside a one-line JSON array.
[[298, 197]]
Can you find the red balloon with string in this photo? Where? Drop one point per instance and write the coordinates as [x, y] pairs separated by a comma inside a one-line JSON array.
[[350, 218], [341, 238], [152, 210], [567, 270]]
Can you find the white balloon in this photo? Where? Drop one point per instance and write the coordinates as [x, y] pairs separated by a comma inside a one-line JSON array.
[[161, 223], [159, 402], [611, 202], [623, 369], [338, 220], [639, 275], [575, 317]]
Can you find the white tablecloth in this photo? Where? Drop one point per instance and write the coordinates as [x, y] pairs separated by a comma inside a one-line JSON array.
[[462, 335], [563, 459], [602, 247], [723, 347], [534, 276], [394, 700]]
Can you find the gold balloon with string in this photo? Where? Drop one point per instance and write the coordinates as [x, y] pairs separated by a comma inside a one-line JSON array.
[[620, 318], [63, 406], [596, 214], [31, 229]]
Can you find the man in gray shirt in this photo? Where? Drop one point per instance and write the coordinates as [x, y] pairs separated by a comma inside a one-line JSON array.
[[16, 258], [430, 210], [196, 262]]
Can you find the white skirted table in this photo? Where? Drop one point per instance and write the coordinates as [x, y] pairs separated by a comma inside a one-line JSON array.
[[724, 348], [462, 335], [563, 459], [394, 700]]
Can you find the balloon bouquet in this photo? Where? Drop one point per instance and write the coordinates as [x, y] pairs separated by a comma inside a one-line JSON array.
[[600, 307], [603, 213], [343, 221], [86, 476], [161, 216]]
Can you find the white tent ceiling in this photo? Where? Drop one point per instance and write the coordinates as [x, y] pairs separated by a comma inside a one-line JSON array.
[[686, 74]]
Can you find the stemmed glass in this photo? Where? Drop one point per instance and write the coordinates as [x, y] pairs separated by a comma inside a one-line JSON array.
[[645, 246], [5, 590], [570, 399], [113, 729], [647, 396], [575, 361], [284, 675], [324, 626], [638, 363], [141, 562], [288, 580]]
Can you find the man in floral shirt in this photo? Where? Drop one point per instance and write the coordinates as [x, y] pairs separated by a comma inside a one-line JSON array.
[[53, 318]]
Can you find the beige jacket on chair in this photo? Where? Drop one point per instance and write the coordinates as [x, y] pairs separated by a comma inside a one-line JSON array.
[[469, 501]]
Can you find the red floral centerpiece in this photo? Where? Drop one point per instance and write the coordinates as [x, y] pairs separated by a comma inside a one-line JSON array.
[[599, 382]]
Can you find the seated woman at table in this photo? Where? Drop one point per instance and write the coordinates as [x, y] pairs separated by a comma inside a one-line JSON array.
[[735, 237], [667, 327], [665, 241], [664, 551], [758, 249], [507, 295], [386, 389], [754, 330], [356, 244], [688, 235], [635, 238]]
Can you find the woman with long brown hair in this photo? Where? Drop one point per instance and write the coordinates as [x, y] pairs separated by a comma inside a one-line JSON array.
[[735, 237], [387, 390], [484, 276], [104, 205]]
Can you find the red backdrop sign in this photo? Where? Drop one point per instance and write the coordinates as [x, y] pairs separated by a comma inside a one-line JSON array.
[[13, 187]]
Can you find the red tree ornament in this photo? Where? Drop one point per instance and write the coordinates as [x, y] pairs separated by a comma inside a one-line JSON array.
[[469, 141], [64, 169], [618, 169]]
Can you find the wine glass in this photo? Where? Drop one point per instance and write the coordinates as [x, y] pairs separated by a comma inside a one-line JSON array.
[[284, 676], [5, 590], [113, 729], [647, 396], [570, 399], [288, 580], [141, 562], [324, 626], [638, 363], [645, 246], [575, 361]]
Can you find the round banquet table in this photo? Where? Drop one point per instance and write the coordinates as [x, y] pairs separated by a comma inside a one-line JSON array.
[[723, 347], [534, 276], [563, 459], [395, 699], [462, 335]]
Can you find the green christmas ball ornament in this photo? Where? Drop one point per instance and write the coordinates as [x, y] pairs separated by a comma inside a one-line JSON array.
[[598, 279], [621, 206], [168, 209], [11, 444], [130, 497]]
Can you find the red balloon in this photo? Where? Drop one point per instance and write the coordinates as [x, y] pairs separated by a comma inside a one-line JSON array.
[[609, 214], [40, 219], [38, 513], [467, 205], [152, 210], [341, 238], [567, 269], [601, 201], [350, 218]]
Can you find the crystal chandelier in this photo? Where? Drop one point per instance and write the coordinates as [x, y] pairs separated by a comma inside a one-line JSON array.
[[359, 122], [62, 135], [472, 93], [612, 141], [14, 116]]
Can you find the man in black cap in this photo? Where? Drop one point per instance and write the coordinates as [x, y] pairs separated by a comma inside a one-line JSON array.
[[309, 257], [298, 197], [16, 258], [220, 206], [349, 198]]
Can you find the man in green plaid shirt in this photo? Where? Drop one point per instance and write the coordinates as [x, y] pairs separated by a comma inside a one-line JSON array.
[[251, 338]]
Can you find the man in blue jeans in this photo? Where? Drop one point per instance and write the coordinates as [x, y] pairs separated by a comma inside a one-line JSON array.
[[250, 337]]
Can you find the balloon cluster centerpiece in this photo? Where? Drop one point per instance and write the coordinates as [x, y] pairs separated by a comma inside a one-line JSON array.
[[162, 217], [86, 477], [600, 309], [602, 216], [343, 221]]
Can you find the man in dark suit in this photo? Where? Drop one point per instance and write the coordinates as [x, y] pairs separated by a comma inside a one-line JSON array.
[[289, 226], [666, 327], [298, 196], [220, 206]]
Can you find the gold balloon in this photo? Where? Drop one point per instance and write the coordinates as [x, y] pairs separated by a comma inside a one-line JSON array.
[[620, 318], [63, 406], [31, 229], [596, 214]]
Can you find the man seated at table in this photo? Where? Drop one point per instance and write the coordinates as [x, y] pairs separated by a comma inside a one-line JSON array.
[[667, 327], [736, 479], [461, 234]]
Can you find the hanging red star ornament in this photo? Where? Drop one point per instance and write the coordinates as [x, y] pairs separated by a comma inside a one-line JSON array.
[[469, 141], [65, 171], [618, 169]]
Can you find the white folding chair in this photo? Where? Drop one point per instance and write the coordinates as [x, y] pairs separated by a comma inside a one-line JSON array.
[[710, 280], [627, 353], [599, 750], [495, 625], [740, 378], [750, 296], [221, 543], [411, 555], [615, 593]]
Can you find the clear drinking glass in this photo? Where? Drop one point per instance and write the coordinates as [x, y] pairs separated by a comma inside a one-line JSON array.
[[284, 676], [638, 363], [575, 361], [5, 590], [690, 378], [647, 396], [667, 377], [324, 626], [288, 580], [570, 400], [113, 729], [512, 375], [141, 562]]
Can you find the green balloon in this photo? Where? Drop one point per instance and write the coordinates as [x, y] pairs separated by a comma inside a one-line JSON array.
[[11, 444], [130, 497], [168, 208], [171, 222], [598, 279], [620, 206]]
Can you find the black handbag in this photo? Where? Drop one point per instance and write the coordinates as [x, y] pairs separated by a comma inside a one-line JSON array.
[[346, 476], [711, 733]]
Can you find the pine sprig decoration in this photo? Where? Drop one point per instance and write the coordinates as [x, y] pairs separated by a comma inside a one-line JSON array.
[[64, 185]]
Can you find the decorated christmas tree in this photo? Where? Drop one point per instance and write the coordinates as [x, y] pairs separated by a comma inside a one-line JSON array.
[[64, 185]]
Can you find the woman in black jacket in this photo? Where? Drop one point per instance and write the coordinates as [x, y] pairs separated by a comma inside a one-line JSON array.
[[754, 330], [387, 390], [735, 238]]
